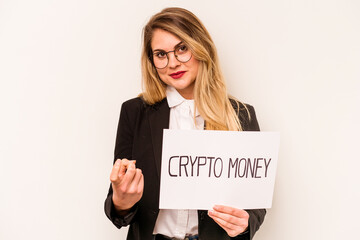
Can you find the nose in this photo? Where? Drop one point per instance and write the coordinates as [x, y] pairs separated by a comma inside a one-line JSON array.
[[173, 62]]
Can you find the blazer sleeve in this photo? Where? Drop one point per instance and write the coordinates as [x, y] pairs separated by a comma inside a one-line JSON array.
[[249, 122], [123, 149]]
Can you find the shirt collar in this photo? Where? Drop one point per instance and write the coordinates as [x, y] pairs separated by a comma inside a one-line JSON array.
[[175, 99]]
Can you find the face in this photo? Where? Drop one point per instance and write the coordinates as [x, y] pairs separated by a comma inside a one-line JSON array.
[[177, 74]]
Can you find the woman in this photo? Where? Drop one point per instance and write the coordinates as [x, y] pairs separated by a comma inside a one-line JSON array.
[[183, 88]]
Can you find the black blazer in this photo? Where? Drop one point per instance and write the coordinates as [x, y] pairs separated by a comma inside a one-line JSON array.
[[139, 137]]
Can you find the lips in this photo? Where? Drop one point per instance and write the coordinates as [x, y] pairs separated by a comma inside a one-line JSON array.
[[177, 74]]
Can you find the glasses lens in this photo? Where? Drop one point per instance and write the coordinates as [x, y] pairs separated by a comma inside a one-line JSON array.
[[182, 53], [160, 59]]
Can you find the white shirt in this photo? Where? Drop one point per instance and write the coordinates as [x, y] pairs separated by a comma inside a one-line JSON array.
[[170, 222]]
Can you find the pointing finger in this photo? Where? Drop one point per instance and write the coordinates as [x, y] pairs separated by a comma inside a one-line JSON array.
[[129, 175], [123, 167]]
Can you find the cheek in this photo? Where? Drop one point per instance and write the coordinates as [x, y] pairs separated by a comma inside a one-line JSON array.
[[194, 65], [161, 71], [162, 74]]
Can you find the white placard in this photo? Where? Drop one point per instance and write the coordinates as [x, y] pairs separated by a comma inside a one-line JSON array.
[[202, 168]]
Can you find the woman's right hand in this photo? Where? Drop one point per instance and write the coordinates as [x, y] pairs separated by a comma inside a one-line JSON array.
[[127, 183]]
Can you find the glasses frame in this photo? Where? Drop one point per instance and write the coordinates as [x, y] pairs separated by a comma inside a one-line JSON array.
[[167, 56]]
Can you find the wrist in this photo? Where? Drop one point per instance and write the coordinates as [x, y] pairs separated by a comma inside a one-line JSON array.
[[121, 209]]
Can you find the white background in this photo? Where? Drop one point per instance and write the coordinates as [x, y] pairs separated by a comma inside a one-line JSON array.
[[66, 67]]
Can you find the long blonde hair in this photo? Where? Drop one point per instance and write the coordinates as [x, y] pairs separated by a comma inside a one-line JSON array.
[[210, 93]]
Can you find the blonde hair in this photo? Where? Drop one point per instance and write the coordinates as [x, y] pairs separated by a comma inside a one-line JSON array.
[[210, 94]]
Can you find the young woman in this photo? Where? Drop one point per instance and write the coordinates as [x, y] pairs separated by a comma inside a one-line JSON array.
[[183, 88]]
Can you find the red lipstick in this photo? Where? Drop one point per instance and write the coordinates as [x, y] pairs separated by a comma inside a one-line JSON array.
[[177, 74]]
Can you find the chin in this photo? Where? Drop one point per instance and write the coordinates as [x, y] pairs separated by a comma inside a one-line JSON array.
[[180, 86], [183, 84]]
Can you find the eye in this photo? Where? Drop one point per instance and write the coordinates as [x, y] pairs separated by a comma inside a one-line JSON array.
[[182, 49], [160, 54]]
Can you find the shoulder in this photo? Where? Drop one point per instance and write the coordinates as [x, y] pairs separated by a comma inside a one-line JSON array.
[[132, 109], [242, 109], [135, 106], [139, 102], [246, 114], [134, 103], [239, 106]]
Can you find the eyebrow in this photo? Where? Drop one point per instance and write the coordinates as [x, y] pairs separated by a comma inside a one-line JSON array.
[[161, 50]]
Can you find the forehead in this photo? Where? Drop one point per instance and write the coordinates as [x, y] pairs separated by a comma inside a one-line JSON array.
[[164, 40]]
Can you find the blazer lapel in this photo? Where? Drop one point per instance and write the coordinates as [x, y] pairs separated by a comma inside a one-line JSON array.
[[159, 115]]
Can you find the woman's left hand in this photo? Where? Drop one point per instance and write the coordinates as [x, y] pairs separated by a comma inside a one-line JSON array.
[[234, 221]]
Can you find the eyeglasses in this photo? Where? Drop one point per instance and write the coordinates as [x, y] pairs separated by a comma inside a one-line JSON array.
[[161, 58]]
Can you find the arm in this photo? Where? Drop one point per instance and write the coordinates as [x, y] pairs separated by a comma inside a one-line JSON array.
[[256, 216], [238, 223], [124, 190]]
